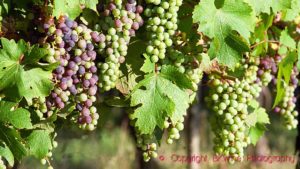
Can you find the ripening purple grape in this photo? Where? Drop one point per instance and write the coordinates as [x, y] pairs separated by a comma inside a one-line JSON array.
[[111, 6], [92, 54], [71, 64], [93, 69], [86, 83], [92, 91], [77, 59], [118, 23], [260, 72], [139, 9], [69, 72], [46, 26], [69, 23], [60, 70], [88, 103], [63, 86], [74, 38], [79, 107], [101, 38], [81, 70], [57, 100], [90, 47], [73, 90], [88, 119], [61, 105], [85, 111], [135, 26], [61, 25]]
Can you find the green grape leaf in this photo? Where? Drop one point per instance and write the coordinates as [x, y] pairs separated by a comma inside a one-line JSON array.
[[256, 132], [278, 5], [261, 6], [156, 98], [13, 140], [218, 23], [148, 66], [287, 40], [293, 12], [71, 8], [91, 4], [181, 80], [18, 117], [34, 83], [256, 115], [39, 142], [30, 83], [233, 15], [284, 74], [34, 55], [7, 154]]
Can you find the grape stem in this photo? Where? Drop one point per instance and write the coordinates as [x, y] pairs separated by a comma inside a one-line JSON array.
[[264, 41]]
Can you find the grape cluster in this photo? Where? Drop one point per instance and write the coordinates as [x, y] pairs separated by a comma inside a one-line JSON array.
[[146, 142], [71, 45], [161, 25], [229, 100], [118, 24], [287, 106], [268, 69]]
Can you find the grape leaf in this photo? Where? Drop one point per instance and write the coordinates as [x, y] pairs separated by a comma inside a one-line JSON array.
[[293, 12], [256, 115], [34, 83], [19, 118], [256, 132], [284, 75], [261, 6], [91, 4], [66, 7], [156, 98], [233, 15], [7, 154], [287, 40], [39, 142], [72, 8], [148, 66], [181, 80], [30, 83], [34, 55], [278, 5], [13, 140]]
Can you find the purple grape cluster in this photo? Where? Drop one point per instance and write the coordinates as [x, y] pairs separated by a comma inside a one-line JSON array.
[[118, 24], [268, 69], [72, 46]]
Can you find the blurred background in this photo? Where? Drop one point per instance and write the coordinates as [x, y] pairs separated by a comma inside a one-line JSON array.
[[112, 145]]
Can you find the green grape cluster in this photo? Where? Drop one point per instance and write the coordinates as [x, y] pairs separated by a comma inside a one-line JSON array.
[[286, 108], [147, 142], [161, 25], [229, 100]]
